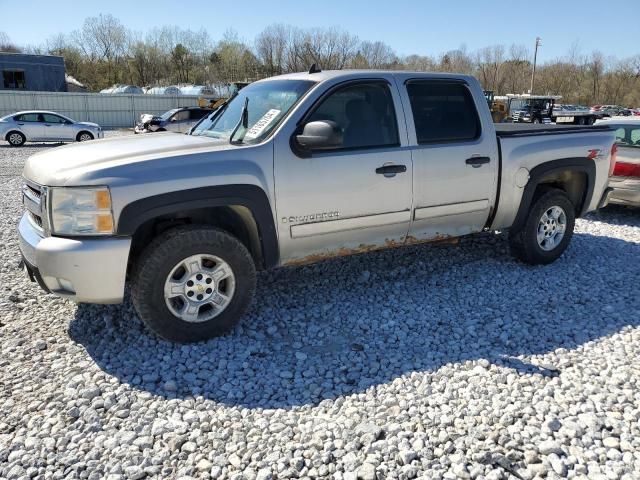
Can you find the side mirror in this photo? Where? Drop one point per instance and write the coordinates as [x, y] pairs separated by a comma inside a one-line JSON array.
[[320, 135]]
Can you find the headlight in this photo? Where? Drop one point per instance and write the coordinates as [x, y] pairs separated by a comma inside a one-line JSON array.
[[81, 211]]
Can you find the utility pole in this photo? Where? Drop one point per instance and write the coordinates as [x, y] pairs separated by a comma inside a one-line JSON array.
[[535, 58]]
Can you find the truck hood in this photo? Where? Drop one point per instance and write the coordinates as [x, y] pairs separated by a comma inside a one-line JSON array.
[[70, 164]]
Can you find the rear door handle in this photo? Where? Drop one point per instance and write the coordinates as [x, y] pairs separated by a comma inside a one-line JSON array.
[[391, 170], [476, 162]]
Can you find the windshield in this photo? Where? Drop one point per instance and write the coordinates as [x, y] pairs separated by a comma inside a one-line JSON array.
[[167, 115], [6, 117], [268, 103]]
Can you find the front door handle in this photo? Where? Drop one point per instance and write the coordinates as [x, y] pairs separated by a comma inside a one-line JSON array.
[[391, 170], [476, 162]]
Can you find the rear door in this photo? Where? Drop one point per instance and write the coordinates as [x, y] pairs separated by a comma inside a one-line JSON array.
[[30, 125], [455, 161]]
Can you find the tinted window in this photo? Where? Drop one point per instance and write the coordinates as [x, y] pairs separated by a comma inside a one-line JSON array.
[[198, 114], [443, 112], [27, 117], [48, 118], [365, 114]]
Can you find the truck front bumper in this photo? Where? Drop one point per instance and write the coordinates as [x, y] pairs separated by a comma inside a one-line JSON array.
[[90, 270]]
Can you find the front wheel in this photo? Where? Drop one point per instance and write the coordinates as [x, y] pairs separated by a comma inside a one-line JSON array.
[[547, 230], [84, 137], [193, 283]]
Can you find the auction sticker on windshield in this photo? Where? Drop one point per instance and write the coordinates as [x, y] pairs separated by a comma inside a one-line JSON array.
[[261, 124]]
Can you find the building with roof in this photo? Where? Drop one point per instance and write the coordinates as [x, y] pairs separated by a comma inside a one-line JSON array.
[[41, 73]]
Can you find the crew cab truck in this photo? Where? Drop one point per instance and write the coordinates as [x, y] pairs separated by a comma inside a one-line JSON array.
[[295, 169]]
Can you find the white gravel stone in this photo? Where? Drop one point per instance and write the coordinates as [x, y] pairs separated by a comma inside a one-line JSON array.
[[431, 362]]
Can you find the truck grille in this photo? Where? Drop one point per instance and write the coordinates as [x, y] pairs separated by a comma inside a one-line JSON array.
[[34, 200]]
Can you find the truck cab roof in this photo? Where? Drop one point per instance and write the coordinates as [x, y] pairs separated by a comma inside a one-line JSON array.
[[326, 75]]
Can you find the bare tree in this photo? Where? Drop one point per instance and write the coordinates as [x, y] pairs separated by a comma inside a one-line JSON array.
[[272, 46], [103, 38], [457, 61], [489, 61], [374, 55], [595, 69], [6, 45]]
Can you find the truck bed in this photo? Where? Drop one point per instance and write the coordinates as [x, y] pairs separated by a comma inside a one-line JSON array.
[[528, 129]]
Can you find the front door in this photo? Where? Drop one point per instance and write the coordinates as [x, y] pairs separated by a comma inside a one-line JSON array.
[[347, 199], [179, 122], [455, 161], [55, 128]]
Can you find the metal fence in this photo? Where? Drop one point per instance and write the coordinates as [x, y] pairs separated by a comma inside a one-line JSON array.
[[112, 110]]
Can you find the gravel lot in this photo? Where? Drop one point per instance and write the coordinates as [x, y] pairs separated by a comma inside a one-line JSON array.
[[428, 362]]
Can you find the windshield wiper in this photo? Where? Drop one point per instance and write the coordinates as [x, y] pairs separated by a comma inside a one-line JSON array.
[[244, 122], [213, 115]]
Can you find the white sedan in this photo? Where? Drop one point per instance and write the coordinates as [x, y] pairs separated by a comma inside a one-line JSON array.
[[43, 126]]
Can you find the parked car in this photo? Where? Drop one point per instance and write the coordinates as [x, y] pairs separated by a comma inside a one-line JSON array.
[[295, 169], [625, 179], [43, 126], [177, 120]]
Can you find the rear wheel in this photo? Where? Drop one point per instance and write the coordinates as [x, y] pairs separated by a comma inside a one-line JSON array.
[[193, 283], [547, 230], [16, 139]]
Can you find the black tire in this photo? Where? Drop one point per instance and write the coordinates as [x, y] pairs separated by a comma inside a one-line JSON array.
[[524, 243], [157, 261], [82, 134], [14, 134]]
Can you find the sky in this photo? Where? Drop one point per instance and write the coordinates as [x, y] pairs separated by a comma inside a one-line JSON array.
[[424, 27]]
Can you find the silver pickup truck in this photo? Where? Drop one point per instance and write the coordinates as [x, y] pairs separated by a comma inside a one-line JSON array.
[[296, 169]]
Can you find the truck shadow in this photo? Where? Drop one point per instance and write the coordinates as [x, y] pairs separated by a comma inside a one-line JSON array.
[[355, 333]]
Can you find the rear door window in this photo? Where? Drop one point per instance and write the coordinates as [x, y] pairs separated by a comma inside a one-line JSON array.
[[27, 117], [443, 112]]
